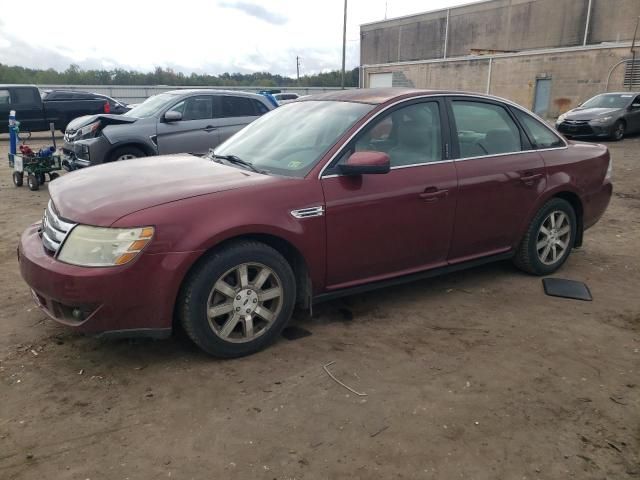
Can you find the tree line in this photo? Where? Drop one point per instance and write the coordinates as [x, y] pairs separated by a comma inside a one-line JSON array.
[[74, 75]]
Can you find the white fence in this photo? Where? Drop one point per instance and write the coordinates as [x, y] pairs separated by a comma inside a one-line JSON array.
[[139, 93]]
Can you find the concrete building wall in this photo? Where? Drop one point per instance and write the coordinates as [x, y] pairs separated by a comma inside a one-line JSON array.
[[575, 76], [506, 25]]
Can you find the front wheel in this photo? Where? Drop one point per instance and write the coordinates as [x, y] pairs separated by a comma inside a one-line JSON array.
[[238, 299], [33, 183], [549, 238], [126, 153], [18, 178], [618, 131]]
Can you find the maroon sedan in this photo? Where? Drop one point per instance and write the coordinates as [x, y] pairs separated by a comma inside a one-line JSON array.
[[327, 196]]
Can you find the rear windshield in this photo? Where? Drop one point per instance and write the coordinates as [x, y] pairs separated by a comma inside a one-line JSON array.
[[152, 105], [610, 100]]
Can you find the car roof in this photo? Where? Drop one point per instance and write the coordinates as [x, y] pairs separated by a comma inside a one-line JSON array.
[[191, 91]]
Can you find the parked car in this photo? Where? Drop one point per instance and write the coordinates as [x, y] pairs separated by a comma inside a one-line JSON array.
[[328, 196], [189, 121], [608, 115], [35, 112], [111, 106], [285, 97]]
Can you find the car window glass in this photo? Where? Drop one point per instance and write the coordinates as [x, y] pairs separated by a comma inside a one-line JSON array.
[[259, 107], [540, 135], [5, 98], [410, 135], [237, 107], [484, 129], [178, 107], [24, 96], [197, 108]]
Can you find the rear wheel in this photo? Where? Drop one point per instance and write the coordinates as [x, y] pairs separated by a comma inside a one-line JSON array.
[[238, 300], [32, 182], [41, 178], [549, 239], [618, 131], [126, 153]]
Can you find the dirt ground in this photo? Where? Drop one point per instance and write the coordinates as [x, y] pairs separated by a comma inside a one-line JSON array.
[[476, 375]]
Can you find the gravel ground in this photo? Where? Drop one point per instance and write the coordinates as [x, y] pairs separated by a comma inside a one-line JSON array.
[[473, 375]]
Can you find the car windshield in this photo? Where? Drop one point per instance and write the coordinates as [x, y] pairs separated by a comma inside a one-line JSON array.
[[152, 105], [611, 100], [292, 138]]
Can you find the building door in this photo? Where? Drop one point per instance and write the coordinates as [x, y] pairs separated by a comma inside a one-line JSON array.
[[380, 80], [542, 97]]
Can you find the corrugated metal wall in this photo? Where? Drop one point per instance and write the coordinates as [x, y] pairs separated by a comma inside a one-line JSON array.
[[139, 93]]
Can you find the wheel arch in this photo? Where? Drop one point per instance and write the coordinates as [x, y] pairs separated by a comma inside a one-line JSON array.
[[139, 145], [287, 249], [576, 203]]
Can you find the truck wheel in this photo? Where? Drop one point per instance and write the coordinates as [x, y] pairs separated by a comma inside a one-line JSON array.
[[126, 153], [238, 299], [549, 238], [18, 178], [32, 182]]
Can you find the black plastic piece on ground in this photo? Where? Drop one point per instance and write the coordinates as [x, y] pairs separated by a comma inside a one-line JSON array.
[[559, 287], [294, 333]]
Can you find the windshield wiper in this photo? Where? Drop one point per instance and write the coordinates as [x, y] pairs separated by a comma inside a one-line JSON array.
[[237, 161]]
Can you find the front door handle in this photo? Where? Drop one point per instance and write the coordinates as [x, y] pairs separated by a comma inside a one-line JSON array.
[[528, 178], [210, 128], [432, 194]]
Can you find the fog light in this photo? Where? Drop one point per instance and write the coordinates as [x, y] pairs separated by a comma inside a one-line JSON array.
[[77, 314]]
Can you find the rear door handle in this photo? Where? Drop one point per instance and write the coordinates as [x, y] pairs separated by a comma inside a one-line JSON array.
[[210, 128], [432, 194], [529, 178]]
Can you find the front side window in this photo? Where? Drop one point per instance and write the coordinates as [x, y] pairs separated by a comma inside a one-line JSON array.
[[291, 139], [484, 129], [540, 135], [410, 135], [25, 96], [197, 108]]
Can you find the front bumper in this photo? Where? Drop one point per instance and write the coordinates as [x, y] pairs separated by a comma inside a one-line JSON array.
[[583, 129], [137, 298], [86, 152]]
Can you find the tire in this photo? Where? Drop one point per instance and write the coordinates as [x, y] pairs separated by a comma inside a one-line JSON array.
[[236, 323], [41, 178], [33, 183], [18, 178], [126, 153], [53, 176], [529, 257], [618, 131]]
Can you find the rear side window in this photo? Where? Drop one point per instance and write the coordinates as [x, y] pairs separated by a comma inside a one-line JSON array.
[[484, 129], [540, 135], [259, 107], [25, 96], [5, 98], [238, 106]]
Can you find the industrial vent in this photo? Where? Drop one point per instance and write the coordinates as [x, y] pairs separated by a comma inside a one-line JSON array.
[[632, 73]]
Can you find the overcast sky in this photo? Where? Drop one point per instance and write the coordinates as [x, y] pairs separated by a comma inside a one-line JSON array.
[[213, 36]]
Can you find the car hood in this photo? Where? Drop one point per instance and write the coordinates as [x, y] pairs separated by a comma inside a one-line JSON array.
[[105, 119], [102, 194], [589, 113]]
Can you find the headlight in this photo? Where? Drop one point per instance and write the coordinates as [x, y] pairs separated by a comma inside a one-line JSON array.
[[104, 247], [87, 129], [601, 119], [562, 118]]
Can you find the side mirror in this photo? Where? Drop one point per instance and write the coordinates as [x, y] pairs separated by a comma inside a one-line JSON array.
[[172, 116], [366, 162], [635, 106]]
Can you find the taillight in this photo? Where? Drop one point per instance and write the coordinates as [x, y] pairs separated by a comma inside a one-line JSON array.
[[107, 107]]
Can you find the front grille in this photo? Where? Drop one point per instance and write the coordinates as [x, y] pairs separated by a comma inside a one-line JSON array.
[[54, 229], [576, 127]]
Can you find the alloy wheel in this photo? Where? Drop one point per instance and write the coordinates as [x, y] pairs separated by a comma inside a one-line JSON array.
[[244, 302], [126, 156], [553, 238]]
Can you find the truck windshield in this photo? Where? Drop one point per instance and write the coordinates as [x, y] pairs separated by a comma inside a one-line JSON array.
[[610, 100], [152, 105], [292, 138]]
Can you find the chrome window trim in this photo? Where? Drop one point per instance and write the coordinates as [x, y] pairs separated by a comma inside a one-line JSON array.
[[439, 95]]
